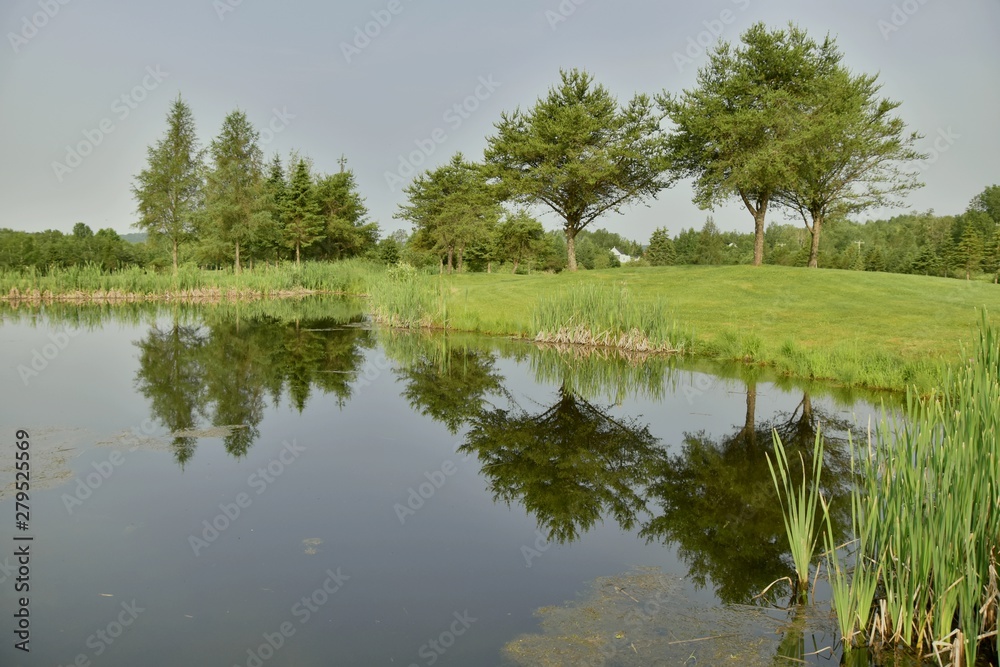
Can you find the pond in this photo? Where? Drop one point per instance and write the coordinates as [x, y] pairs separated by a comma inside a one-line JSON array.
[[279, 483]]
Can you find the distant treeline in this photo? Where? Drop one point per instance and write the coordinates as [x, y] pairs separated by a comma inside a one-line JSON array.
[[960, 246]]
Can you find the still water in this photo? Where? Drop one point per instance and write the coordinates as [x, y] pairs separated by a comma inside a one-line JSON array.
[[282, 484]]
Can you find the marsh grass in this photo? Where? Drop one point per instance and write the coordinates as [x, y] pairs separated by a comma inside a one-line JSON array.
[[606, 316], [927, 521], [90, 283], [800, 505]]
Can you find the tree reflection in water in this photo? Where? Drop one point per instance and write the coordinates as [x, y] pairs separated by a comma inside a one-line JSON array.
[[222, 371]]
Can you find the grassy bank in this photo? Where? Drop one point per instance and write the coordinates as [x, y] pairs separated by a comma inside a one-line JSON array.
[[868, 329], [876, 330]]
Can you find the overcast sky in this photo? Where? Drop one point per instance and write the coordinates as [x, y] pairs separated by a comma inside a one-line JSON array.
[[85, 86]]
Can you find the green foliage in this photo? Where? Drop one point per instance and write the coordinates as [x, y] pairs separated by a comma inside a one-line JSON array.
[[348, 231], [517, 238], [851, 153], [605, 315], [577, 152], [450, 208], [236, 203], [43, 252], [169, 192], [661, 251], [929, 520], [735, 132], [302, 224], [800, 507]]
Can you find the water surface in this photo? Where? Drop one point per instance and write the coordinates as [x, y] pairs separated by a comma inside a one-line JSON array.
[[225, 480]]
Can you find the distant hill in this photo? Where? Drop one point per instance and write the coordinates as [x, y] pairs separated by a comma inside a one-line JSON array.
[[137, 237]]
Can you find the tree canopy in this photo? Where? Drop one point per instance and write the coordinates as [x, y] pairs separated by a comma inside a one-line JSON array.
[[579, 153]]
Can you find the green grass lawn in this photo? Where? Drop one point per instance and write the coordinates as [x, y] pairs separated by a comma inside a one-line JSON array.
[[876, 329]]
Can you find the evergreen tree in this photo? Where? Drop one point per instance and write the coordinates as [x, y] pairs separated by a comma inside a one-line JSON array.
[[875, 260], [236, 204], [661, 251], [169, 191], [303, 224], [450, 208], [969, 251], [348, 231], [517, 238]]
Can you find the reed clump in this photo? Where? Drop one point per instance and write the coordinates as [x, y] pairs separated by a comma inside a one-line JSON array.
[[927, 522], [607, 316]]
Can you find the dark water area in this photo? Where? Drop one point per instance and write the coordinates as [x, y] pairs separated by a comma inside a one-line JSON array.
[[283, 484]]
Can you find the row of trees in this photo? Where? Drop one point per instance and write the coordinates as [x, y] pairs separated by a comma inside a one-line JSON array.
[[228, 206], [52, 248], [921, 243], [778, 121]]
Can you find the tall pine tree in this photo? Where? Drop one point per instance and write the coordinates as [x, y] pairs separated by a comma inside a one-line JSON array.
[[303, 224], [169, 191], [236, 205]]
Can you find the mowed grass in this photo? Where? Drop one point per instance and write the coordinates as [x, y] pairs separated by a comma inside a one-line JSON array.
[[875, 330], [872, 329]]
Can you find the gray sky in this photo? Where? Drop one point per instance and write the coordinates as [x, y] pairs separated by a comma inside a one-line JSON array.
[[97, 77]]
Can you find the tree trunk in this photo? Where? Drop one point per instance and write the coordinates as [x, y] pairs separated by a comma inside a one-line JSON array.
[[516, 262], [297, 247], [489, 267], [451, 253], [750, 419], [814, 248], [571, 248], [175, 256], [237, 257], [758, 236], [759, 212], [441, 264]]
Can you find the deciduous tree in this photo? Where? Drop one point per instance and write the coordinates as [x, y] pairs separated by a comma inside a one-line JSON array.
[[732, 131], [579, 153]]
